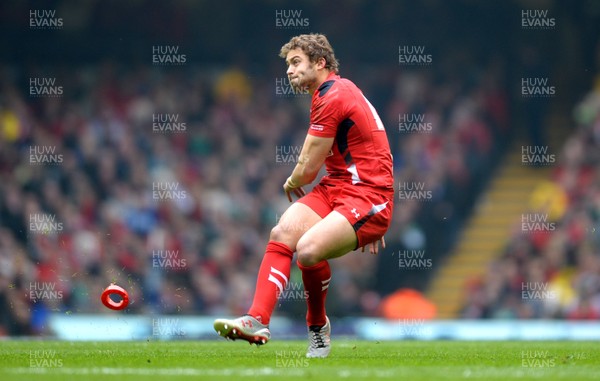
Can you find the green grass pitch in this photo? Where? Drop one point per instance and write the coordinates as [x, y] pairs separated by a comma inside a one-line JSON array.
[[349, 360]]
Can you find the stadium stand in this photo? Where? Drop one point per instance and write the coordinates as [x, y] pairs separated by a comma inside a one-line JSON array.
[[95, 214]]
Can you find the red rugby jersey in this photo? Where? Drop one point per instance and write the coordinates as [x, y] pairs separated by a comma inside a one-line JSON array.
[[361, 153]]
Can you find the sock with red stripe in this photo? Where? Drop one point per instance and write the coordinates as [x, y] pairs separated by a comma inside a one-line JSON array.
[[272, 279], [316, 282]]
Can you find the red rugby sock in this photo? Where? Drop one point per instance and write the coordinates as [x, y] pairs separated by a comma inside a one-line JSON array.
[[316, 282], [273, 276]]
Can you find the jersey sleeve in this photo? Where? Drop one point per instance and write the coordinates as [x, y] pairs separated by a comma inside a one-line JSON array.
[[326, 115]]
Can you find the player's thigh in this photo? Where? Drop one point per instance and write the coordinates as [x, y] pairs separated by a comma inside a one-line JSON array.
[[331, 237], [293, 224]]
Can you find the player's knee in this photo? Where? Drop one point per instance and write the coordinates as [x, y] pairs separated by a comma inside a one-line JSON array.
[[280, 234], [308, 254]]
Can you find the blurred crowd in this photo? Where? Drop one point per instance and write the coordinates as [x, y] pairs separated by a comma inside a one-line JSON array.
[[174, 252], [553, 270], [94, 189]]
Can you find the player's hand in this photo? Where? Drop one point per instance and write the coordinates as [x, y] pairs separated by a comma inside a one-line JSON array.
[[290, 187], [375, 246]]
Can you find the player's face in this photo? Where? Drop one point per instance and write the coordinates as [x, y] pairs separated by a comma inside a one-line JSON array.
[[301, 72]]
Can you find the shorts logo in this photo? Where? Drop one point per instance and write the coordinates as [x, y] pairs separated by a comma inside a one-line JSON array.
[[317, 127], [356, 214]]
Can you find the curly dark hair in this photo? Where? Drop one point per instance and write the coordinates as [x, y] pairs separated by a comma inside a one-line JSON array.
[[315, 46]]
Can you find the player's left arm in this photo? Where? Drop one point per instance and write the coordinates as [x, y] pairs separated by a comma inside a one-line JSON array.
[[312, 156]]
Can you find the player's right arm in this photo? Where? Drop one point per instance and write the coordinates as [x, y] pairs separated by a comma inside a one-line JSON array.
[[312, 156], [325, 115]]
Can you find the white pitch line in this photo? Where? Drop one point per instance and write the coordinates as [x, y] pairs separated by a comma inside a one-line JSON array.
[[562, 372], [158, 371], [194, 372]]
